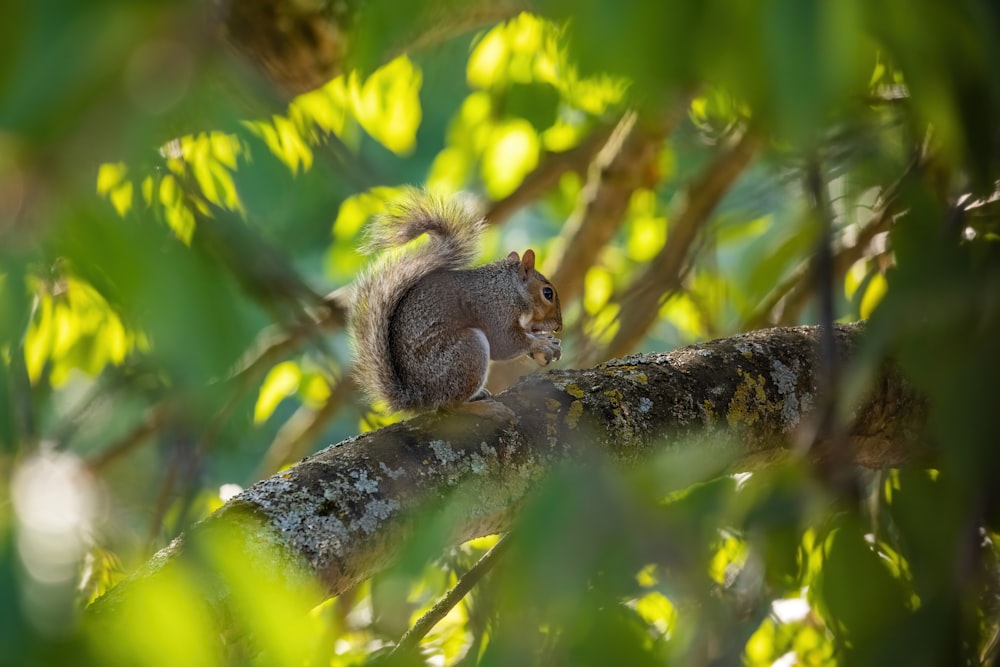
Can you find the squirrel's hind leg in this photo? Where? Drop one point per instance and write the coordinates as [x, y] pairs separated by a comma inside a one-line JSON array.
[[471, 353], [445, 369]]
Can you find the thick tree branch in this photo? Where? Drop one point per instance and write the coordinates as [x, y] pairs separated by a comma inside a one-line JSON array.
[[344, 513]]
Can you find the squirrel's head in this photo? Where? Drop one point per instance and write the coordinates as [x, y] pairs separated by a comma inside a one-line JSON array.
[[546, 315]]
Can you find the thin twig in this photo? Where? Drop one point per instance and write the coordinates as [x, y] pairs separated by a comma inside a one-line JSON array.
[[823, 274], [155, 418], [162, 503], [837, 470], [412, 637]]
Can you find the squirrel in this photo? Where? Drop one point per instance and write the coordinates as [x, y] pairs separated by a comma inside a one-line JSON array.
[[425, 326]]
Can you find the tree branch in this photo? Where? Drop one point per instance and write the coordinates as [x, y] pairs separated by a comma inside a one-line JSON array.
[[786, 302], [546, 176], [345, 513], [425, 623], [640, 304], [626, 163]]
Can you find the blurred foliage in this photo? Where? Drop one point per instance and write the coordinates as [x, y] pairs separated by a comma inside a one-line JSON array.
[[165, 221]]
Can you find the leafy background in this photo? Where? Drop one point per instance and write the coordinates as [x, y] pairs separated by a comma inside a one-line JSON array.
[[170, 221]]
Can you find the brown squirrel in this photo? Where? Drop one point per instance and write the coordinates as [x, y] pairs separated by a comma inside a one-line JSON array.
[[424, 326]]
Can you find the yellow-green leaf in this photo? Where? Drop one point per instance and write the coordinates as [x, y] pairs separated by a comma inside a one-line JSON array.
[[876, 289], [282, 381], [511, 154]]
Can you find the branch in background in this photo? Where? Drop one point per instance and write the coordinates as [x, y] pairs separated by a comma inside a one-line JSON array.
[[640, 303], [411, 639], [276, 345], [731, 404], [153, 421], [302, 430], [271, 348], [306, 327], [546, 176], [785, 303], [618, 160], [626, 163], [823, 275]]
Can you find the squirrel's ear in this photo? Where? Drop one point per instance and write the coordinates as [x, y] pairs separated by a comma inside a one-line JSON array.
[[528, 261], [513, 255]]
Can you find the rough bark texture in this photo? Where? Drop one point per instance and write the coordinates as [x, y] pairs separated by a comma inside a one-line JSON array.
[[346, 511]]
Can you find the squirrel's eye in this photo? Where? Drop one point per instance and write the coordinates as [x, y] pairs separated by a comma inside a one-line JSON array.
[[548, 293]]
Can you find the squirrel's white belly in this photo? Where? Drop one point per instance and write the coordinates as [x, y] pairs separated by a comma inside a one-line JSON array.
[[485, 344]]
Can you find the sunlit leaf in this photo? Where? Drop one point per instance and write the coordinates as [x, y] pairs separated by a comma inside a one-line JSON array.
[[75, 330], [281, 381], [488, 61], [855, 277], [731, 552], [874, 291], [328, 107], [760, 648], [657, 611], [512, 153], [121, 197], [646, 236], [562, 136], [112, 182], [451, 168], [38, 343], [314, 389], [598, 287], [388, 105], [109, 175], [681, 311]]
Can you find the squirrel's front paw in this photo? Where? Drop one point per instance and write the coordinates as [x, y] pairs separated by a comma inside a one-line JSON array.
[[545, 348]]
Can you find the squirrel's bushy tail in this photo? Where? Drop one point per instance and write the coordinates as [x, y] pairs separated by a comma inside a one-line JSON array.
[[454, 229]]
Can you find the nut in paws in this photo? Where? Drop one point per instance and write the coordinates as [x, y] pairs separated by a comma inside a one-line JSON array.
[[545, 348]]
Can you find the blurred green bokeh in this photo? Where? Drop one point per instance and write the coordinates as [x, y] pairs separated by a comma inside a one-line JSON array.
[[165, 213]]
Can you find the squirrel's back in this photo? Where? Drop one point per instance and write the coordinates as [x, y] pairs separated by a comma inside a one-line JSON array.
[[454, 231]]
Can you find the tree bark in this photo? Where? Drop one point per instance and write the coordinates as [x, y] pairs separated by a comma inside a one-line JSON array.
[[345, 512]]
